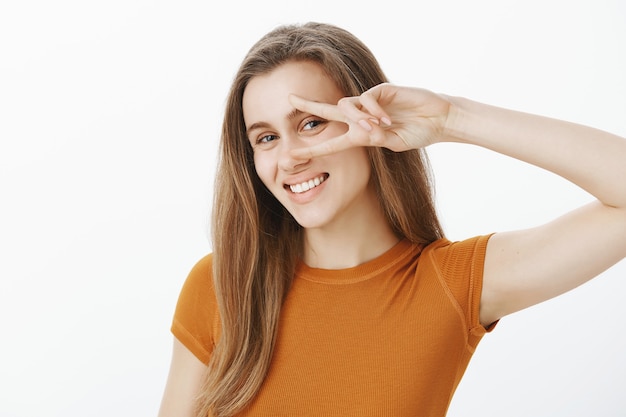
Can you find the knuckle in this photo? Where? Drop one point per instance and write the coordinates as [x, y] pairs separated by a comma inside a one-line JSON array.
[[343, 102], [376, 140]]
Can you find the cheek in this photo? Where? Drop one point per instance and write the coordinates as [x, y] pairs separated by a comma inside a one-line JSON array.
[[360, 166], [263, 168], [359, 159]]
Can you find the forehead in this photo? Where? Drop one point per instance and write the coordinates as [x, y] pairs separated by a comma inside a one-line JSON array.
[[266, 96]]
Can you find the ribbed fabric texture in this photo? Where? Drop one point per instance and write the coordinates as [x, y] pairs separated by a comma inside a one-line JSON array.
[[391, 337]]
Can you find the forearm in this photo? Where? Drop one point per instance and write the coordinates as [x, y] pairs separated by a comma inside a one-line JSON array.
[[590, 158]]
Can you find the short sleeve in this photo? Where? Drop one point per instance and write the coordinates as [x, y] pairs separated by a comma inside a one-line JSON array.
[[196, 315], [460, 266]]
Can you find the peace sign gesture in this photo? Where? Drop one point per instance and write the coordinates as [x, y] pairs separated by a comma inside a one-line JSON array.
[[389, 116]]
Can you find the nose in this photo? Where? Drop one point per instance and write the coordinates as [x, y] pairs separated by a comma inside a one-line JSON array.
[[286, 161]]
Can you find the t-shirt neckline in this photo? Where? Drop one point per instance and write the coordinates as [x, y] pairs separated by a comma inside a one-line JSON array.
[[362, 272]]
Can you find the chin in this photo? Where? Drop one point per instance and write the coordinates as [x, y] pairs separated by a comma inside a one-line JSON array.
[[309, 222]]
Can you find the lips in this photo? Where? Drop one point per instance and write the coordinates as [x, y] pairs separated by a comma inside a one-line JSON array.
[[307, 185]]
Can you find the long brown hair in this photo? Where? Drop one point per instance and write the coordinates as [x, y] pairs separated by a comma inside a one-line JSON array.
[[256, 242]]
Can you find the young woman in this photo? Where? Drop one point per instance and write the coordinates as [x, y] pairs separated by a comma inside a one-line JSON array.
[[331, 289]]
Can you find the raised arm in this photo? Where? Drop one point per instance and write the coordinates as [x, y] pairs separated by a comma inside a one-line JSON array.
[[529, 266], [525, 267]]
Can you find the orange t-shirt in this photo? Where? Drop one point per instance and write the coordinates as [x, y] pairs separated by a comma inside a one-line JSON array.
[[390, 337]]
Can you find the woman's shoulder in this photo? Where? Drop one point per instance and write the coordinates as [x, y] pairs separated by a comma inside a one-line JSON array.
[[457, 263], [204, 264], [199, 282], [444, 247]]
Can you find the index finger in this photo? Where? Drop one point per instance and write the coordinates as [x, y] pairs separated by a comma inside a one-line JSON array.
[[324, 110], [334, 145]]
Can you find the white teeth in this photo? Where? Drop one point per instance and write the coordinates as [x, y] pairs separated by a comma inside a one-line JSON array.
[[307, 185]]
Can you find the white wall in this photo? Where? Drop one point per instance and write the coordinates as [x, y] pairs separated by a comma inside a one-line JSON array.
[[109, 121]]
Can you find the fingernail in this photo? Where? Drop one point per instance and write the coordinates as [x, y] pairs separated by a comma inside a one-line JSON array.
[[386, 121], [365, 125]]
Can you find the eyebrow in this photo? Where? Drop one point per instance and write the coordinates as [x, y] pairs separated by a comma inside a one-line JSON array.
[[259, 125]]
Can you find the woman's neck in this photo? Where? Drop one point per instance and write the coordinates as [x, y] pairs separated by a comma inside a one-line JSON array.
[[355, 241]]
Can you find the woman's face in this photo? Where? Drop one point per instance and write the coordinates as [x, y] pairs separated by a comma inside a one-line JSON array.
[[318, 192]]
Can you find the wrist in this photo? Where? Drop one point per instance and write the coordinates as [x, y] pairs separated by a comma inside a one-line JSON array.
[[455, 127]]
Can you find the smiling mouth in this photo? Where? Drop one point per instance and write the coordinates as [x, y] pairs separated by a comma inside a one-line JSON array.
[[307, 185]]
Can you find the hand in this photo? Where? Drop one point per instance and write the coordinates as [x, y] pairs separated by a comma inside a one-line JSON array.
[[397, 118]]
